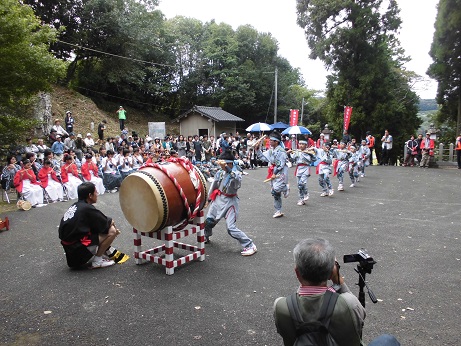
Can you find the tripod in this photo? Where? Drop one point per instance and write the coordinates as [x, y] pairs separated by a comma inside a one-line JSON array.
[[362, 269]]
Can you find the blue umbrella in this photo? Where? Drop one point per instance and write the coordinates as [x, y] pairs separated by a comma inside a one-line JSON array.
[[279, 126], [259, 127], [297, 130]]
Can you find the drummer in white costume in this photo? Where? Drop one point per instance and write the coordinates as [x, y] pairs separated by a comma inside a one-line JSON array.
[[225, 203], [276, 156], [303, 162]]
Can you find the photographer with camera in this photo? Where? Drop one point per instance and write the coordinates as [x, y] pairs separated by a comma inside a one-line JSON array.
[[318, 313]]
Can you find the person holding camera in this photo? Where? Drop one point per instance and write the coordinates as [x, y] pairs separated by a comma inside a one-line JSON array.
[[315, 264]]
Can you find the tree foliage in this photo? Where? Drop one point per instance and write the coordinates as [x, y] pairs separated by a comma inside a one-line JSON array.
[[446, 68], [126, 50], [357, 42], [27, 68]]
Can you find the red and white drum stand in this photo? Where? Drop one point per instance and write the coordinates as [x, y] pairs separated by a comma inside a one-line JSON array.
[[170, 237]]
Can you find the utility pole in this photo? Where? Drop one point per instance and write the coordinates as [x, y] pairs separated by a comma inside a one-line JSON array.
[[302, 111], [275, 99]]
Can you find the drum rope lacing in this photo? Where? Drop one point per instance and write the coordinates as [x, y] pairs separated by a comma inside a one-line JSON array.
[[189, 167]]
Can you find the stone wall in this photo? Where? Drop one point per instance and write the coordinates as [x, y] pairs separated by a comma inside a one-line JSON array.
[[42, 112]]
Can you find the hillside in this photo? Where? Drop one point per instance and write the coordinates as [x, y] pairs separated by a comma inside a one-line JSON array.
[[428, 105], [85, 111]]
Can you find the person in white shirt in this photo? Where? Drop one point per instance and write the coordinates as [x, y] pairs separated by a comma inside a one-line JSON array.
[[138, 160], [31, 147], [386, 146], [41, 150], [59, 129], [89, 142], [126, 163], [111, 176]]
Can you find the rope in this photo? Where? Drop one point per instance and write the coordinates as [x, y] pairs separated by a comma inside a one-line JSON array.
[[188, 167]]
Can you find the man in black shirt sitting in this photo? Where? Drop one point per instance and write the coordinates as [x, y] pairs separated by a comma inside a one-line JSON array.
[[87, 234]]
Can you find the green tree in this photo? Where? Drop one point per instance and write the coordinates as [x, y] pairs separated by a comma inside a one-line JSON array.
[[124, 37], [218, 66], [27, 67], [357, 42], [446, 68]]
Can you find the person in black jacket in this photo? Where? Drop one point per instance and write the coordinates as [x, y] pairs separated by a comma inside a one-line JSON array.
[[87, 234]]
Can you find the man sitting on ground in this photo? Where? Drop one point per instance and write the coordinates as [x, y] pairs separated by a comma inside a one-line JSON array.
[[87, 234], [315, 264]]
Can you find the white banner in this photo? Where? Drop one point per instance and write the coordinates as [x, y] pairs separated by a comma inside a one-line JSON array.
[[157, 129]]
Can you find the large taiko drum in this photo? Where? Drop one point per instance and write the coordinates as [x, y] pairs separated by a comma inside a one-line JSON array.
[[154, 196]]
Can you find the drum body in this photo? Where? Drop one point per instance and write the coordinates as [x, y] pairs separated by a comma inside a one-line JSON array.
[[150, 200], [23, 205]]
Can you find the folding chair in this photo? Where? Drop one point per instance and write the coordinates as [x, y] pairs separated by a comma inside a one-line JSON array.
[[46, 196], [9, 194], [64, 189]]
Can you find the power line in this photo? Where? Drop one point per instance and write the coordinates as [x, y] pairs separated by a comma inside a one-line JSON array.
[[114, 55], [125, 99]]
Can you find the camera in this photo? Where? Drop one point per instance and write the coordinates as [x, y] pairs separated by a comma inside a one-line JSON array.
[[366, 262], [361, 256]]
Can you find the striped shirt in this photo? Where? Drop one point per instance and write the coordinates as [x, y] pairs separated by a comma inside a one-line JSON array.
[[312, 290]]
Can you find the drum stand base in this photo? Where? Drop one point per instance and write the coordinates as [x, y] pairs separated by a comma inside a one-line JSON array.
[[170, 238]]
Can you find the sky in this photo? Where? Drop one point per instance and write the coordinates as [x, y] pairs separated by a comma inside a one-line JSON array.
[[279, 18]]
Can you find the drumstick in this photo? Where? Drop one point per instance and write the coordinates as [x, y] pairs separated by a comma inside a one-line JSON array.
[[269, 179]]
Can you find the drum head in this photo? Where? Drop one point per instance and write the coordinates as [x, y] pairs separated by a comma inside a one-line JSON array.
[[142, 202], [24, 205]]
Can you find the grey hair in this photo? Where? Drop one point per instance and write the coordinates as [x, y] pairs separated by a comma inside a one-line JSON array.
[[314, 259]]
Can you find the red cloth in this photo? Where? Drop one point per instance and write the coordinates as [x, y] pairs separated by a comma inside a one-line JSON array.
[[371, 141], [317, 169], [66, 169], [43, 176], [21, 175], [335, 166], [214, 194], [87, 167], [270, 171], [296, 170], [218, 192], [430, 148], [85, 241]]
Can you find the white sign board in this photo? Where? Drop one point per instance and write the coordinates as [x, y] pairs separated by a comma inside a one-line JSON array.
[[157, 129]]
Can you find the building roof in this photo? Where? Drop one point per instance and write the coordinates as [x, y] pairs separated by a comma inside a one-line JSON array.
[[214, 113]]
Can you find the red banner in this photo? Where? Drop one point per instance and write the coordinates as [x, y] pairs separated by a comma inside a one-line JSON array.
[[294, 113], [347, 117]]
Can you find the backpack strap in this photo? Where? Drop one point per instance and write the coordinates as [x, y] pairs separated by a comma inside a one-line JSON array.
[[326, 310], [328, 305], [293, 308]]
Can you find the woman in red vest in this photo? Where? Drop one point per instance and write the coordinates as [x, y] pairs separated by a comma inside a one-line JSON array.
[[458, 151], [50, 182], [26, 183], [90, 172], [69, 176], [427, 148]]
